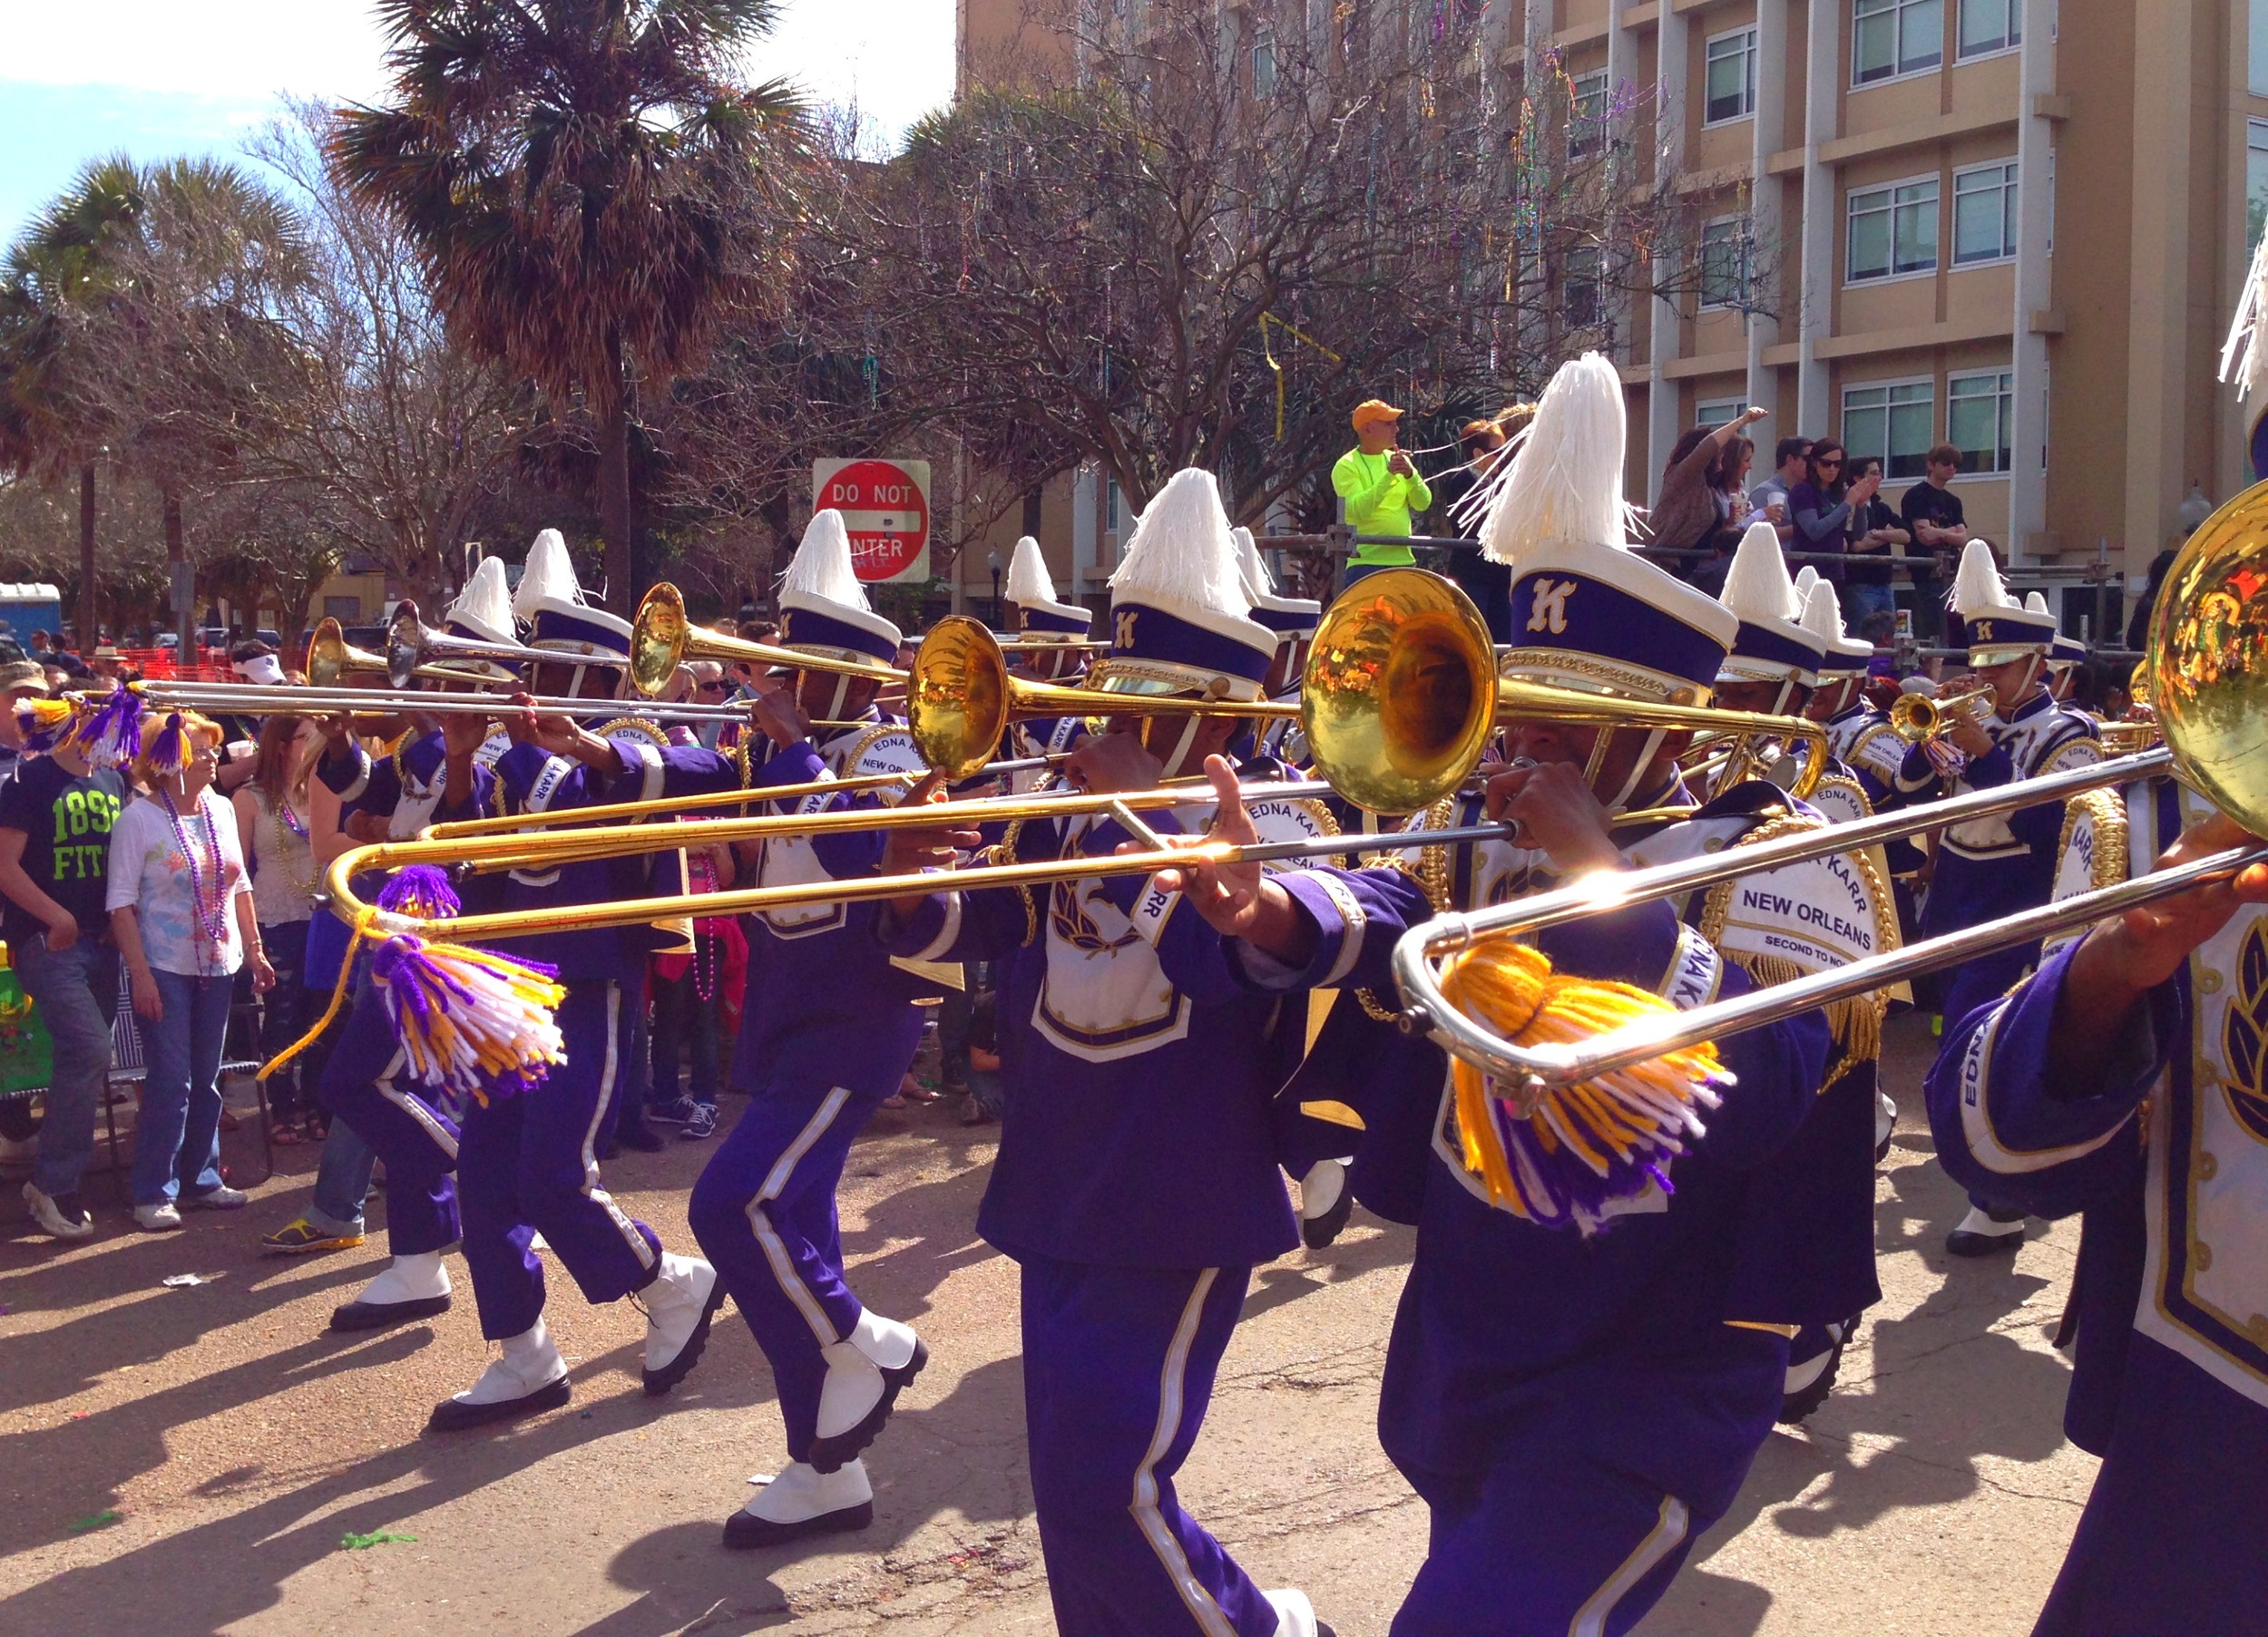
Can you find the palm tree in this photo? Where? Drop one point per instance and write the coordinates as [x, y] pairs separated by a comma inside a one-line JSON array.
[[51, 418], [576, 176]]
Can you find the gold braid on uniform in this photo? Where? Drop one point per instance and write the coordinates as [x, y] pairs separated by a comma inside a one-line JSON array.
[[1004, 852], [1431, 874]]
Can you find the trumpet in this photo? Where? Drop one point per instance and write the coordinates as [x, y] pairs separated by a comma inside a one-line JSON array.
[[662, 639], [1919, 718]]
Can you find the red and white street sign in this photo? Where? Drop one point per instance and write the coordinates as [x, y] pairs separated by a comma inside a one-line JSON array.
[[886, 508]]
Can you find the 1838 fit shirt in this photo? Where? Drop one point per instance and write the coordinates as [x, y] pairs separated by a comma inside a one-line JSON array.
[[66, 821]]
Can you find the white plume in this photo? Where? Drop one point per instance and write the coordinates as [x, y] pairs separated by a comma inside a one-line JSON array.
[[1258, 582], [1564, 478], [1182, 550], [1757, 586], [1822, 611], [2037, 603], [2244, 356], [1029, 582], [549, 574], [822, 564], [486, 600], [1805, 579], [1977, 587]]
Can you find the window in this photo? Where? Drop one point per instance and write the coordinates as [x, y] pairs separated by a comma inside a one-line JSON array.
[[1264, 63], [346, 610], [1724, 262], [1890, 38], [1984, 214], [2256, 47], [1578, 285], [1713, 413], [1587, 122], [1893, 422], [2255, 182], [1893, 230], [1114, 508], [1979, 415], [1732, 77], [1989, 25]]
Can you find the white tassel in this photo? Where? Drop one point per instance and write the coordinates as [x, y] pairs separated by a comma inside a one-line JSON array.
[[1977, 587], [486, 600], [1182, 551], [821, 566], [1029, 582], [2244, 357], [1756, 585], [549, 574], [1564, 479]]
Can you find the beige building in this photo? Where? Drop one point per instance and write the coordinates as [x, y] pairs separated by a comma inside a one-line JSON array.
[[2019, 226]]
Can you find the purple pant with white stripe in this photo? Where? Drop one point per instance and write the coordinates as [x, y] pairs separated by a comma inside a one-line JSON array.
[[1118, 1368], [528, 1164], [401, 1123], [764, 1212]]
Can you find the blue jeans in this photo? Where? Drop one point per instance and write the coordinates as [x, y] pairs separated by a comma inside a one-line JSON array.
[[342, 1181], [1859, 601], [76, 990], [177, 1146]]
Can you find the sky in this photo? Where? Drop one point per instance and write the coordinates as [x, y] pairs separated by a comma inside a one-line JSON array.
[[161, 78]]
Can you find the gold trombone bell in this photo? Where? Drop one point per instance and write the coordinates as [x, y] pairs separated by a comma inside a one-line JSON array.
[[662, 639]]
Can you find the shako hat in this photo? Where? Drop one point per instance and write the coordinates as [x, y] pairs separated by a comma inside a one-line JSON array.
[[823, 607], [1586, 613], [1290, 617], [1843, 655], [560, 622], [1992, 624], [1773, 644], [1042, 618], [1179, 615]]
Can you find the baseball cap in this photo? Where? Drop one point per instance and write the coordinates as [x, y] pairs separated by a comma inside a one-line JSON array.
[[1374, 409]]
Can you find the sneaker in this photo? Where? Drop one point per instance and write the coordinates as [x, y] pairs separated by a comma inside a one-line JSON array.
[[701, 1123], [974, 1113], [301, 1237], [221, 1197], [677, 1111], [160, 1218], [60, 1215]]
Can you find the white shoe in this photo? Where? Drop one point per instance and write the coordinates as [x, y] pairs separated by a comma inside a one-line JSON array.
[[414, 1286], [1885, 1123], [1324, 1203], [679, 1304], [1981, 1234], [60, 1219], [530, 1376], [803, 1501], [1295, 1616], [160, 1218], [865, 1375]]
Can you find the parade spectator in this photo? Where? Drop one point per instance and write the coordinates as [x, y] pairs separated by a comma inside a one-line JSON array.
[[56, 820], [1769, 498], [271, 820], [20, 679], [1821, 505], [181, 911], [1489, 584], [1693, 510], [1932, 515], [691, 993], [2139, 627], [1382, 489], [1877, 534]]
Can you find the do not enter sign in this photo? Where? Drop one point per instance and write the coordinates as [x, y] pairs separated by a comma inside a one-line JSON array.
[[886, 508]]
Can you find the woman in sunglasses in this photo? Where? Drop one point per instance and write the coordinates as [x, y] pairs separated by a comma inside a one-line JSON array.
[[1823, 505]]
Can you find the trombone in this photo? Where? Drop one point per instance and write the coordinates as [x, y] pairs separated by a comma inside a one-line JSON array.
[[332, 659], [662, 639], [414, 648], [267, 699]]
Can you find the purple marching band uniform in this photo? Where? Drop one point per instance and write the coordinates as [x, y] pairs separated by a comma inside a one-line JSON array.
[[1577, 1400], [1137, 1182], [1993, 867], [831, 1027], [2163, 1145]]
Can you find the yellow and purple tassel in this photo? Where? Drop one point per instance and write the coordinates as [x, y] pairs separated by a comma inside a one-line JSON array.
[[109, 736], [422, 890], [1561, 1158], [471, 1020], [171, 751], [44, 723]]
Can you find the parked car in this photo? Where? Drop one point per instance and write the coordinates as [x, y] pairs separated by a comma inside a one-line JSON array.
[[166, 640], [274, 639]]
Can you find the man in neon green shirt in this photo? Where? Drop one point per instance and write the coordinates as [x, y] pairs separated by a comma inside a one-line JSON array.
[[1380, 488]]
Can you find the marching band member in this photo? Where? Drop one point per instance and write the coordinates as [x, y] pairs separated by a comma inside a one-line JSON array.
[[1136, 1185], [1579, 1377], [1293, 621], [528, 1163], [1049, 649], [444, 771], [2065, 656], [830, 1028], [1989, 868]]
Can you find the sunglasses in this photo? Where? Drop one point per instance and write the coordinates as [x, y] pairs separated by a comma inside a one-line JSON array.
[[709, 687], [1828, 465]]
